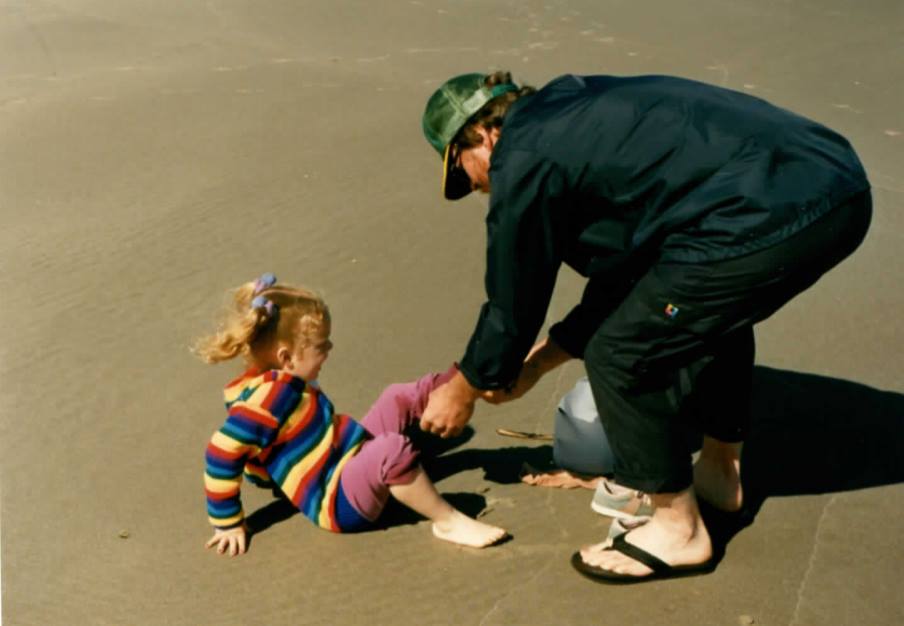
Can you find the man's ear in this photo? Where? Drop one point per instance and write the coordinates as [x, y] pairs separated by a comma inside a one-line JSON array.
[[485, 138], [490, 137], [283, 356]]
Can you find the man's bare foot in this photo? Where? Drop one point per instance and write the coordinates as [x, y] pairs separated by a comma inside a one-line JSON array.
[[674, 541], [461, 529], [717, 475]]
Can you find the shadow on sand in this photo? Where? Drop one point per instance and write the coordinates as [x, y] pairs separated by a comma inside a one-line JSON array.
[[808, 435], [812, 434]]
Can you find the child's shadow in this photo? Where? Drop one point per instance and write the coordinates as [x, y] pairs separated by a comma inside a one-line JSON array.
[[279, 510]]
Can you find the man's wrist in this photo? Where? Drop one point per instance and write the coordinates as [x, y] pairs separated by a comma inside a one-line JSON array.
[[547, 356], [463, 388]]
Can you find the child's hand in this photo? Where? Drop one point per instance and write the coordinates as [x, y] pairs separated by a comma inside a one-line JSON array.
[[231, 541]]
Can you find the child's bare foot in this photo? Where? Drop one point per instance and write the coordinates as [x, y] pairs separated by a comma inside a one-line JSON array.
[[449, 523], [461, 529]]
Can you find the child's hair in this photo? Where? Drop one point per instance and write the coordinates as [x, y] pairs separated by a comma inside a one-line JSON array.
[[262, 313]]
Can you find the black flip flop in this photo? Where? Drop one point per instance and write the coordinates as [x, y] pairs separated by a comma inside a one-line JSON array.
[[661, 569]]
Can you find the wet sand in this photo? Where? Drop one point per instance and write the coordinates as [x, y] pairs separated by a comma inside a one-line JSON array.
[[154, 155]]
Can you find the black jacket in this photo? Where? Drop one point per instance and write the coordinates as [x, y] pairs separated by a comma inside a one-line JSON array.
[[608, 174]]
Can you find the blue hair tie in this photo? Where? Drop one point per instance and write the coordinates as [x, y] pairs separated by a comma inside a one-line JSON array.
[[265, 281], [260, 302]]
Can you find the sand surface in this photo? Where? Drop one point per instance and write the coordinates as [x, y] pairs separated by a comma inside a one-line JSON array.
[[154, 154]]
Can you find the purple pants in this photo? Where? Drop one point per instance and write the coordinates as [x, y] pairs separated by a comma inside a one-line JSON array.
[[388, 458]]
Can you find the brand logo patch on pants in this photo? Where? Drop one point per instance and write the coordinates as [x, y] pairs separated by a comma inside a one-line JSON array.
[[671, 310]]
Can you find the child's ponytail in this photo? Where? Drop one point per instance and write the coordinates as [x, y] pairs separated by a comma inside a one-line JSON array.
[[261, 312]]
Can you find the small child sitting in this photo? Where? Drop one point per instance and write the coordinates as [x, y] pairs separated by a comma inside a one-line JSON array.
[[281, 430]]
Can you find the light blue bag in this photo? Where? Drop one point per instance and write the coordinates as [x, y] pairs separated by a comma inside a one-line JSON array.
[[580, 444]]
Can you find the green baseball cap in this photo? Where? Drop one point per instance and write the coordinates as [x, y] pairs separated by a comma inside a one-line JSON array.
[[448, 110]]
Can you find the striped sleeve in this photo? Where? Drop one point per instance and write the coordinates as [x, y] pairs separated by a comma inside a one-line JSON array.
[[248, 428]]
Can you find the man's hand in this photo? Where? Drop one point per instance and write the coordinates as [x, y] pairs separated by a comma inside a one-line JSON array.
[[546, 355], [231, 541], [530, 374], [449, 407]]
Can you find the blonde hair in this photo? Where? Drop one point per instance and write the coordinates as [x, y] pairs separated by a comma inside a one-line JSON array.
[[295, 317]]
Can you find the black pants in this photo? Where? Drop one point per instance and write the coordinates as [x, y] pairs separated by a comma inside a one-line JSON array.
[[675, 357]]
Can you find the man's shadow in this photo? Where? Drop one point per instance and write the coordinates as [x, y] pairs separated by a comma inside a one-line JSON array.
[[809, 434], [813, 434]]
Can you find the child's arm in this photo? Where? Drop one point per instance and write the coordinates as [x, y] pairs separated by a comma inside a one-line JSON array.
[[225, 459], [241, 437]]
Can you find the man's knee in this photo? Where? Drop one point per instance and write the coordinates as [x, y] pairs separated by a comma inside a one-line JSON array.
[[610, 362]]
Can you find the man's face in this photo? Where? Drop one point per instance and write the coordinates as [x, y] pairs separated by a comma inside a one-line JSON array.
[[476, 161]]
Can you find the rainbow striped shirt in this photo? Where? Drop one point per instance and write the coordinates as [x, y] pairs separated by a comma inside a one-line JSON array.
[[279, 431]]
